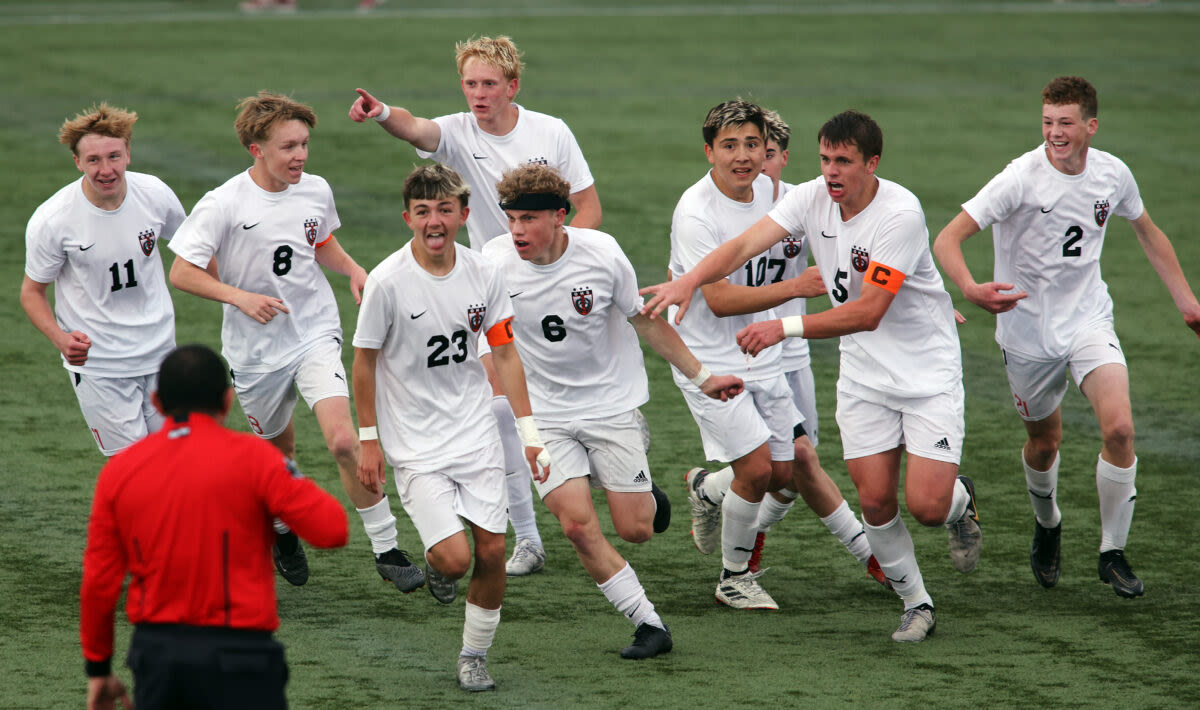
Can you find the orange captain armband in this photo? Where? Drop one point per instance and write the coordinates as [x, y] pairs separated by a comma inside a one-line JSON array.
[[325, 241], [501, 333], [885, 277]]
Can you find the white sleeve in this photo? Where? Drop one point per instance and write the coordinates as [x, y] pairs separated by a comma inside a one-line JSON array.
[[998, 199], [625, 289], [44, 254], [499, 305], [691, 240], [789, 211], [174, 214], [374, 316], [332, 221], [202, 233], [901, 242], [574, 166], [447, 142], [1129, 199]]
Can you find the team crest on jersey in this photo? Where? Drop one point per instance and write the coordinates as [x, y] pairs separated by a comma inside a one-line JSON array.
[[310, 230], [791, 247], [1101, 212], [146, 240], [859, 258], [582, 299], [475, 317]]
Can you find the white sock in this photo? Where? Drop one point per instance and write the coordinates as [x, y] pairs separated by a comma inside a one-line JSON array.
[[380, 525], [715, 484], [739, 518], [893, 548], [958, 503], [626, 593], [847, 529], [517, 476], [1117, 495], [1043, 492], [479, 629], [771, 512]]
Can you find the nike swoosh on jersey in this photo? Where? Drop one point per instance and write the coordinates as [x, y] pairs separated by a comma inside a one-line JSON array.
[[251, 226], [514, 295], [478, 157], [828, 236], [1046, 211], [415, 316], [89, 246]]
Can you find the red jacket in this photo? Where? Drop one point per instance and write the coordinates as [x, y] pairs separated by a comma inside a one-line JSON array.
[[187, 513]]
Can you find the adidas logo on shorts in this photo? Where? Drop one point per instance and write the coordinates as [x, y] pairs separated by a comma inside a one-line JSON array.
[[942, 444], [640, 477]]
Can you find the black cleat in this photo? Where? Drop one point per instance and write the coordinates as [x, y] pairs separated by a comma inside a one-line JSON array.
[[1115, 570], [395, 567], [1045, 556], [292, 566], [662, 510], [648, 642], [443, 589]]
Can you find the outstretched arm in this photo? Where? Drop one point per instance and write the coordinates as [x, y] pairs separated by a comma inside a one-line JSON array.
[[727, 299], [948, 250], [186, 276], [717, 265], [421, 132], [862, 314], [332, 256], [667, 343], [1162, 257], [73, 345]]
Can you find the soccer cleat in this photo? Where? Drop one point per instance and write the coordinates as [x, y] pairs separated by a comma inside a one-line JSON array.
[[662, 509], [648, 642], [756, 555], [443, 589], [875, 572], [473, 674], [742, 591], [1115, 570], [966, 539], [294, 566], [527, 557], [706, 516], [1045, 556], [395, 567], [916, 624]]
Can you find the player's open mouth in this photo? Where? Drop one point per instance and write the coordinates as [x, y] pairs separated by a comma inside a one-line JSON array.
[[520, 243]]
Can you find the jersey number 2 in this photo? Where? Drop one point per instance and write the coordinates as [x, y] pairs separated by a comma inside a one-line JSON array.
[[1074, 234]]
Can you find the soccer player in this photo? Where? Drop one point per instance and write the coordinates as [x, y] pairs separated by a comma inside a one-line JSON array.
[[493, 136], [186, 514], [785, 260], [270, 229], [423, 405], [574, 301], [761, 433], [1048, 211], [95, 240], [901, 376]]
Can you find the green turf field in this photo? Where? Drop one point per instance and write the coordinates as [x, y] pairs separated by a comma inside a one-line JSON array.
[[955, 86]]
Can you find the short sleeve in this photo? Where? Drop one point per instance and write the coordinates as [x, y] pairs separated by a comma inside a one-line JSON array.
[[1129, 199], [997, 200], [901, 241], [44, 254], [625, 289], [574, 167], [201, 234], [374, 316]]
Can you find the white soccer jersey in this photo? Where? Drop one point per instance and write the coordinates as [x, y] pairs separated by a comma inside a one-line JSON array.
[[432, 398], [704, 219], [582, 358], [108, 278], [914, 352], [265, 242], [1047, 233], [482, 159], [787, 260]]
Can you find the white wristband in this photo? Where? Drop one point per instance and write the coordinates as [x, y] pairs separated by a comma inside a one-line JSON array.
[[701, 377], [793, 327], [528, 432], [368, 433], [387, 111]]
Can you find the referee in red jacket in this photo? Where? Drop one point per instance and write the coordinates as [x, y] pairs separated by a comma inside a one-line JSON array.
[[187, 514]]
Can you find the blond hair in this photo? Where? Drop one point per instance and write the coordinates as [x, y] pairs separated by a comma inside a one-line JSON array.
[[102, 120], [499, 52], [258, 114]]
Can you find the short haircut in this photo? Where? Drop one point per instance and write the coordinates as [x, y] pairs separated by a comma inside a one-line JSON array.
[[102, 120], [533, 179], [192, 379], [733, 113], [853, 128], [1067, 90], [435, 182], [778, 131], [257, 115], [499, 52]]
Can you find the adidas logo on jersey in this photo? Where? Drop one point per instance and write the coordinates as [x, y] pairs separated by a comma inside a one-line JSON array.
[[942, 444], [641, 477]]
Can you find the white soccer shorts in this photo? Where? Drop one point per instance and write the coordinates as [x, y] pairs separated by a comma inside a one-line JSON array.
[[470, 486], [1038, 386], [268, 398], [804, 396], [873, 422], [762, 413], [611, 450], [118, 410]]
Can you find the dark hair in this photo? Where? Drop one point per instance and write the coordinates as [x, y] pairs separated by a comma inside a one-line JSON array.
[[435, 182], [1067, 90], [853, 128], [192, 379], [732, 114]]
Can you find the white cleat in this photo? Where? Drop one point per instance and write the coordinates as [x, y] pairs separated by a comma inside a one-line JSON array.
[[742, 591], [706, 516], [527, 557]]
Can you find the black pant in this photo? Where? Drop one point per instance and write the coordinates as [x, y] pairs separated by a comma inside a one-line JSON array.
[[198, 667]]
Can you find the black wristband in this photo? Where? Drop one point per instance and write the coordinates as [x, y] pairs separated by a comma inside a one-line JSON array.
[[98, 669]]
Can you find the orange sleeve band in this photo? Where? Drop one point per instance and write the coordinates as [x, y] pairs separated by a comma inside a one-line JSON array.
[[885, 277], [325, 241], [501, 333]]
